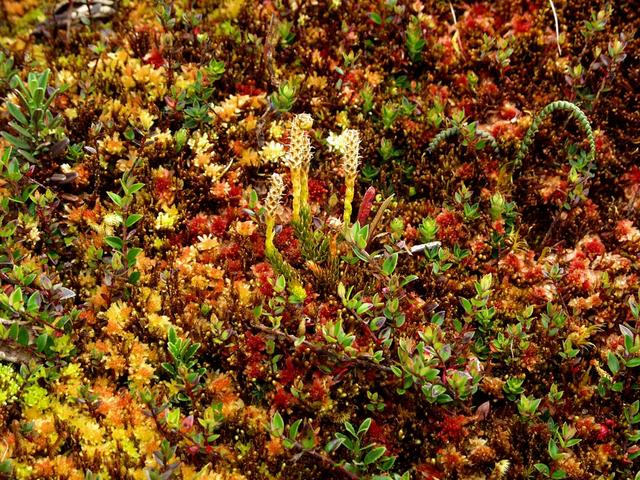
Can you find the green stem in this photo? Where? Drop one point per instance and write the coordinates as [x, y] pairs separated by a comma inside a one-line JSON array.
[[453, 131], [581, 118]]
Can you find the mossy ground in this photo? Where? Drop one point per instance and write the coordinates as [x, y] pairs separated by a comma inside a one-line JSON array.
[[529, 292]]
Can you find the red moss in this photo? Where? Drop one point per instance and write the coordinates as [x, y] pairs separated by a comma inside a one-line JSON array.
[[452, 428], [288, 244], [461, 80], [603, 433], [162, 183], [234, 266], [282, 399], [429, 472], [318, 391], [594, 247], [534, 274], [255, 367], [289, 373], [487, 87], [155, 58], [254, 343], [219, 225], [378, 433], [327, 312], [514, 263], [451, 459], [230, 251], [633, 175], [465, 171], [521, 23], [449, 226], [317, 190], [257, 244], [235, 192], [508, 111], [248, 87], [410, 233], [176, 239], [198, 225]]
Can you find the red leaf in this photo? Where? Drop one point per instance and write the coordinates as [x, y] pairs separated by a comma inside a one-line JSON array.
[[365, 206]]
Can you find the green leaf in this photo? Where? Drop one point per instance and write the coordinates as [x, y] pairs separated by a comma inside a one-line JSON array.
[[612, 362], [390, 263], [633, 362], [132, 254], [559, 474], [363, 308], [15, 299], [172, 336], [288, 444], [280, 284], [332, 445], [554, 452], [277, 425], [293, 429], [374, 455], [23, 336], [28, 156], [33, 303], [466, 304], [309, 440], [9, 229], [134, 188], [134, 277], [6, 467], [16, 142], [42, 342], [114, 242], [542, 468], [408, 279], [364, 427], [349, 427], [25, 133], [117, 199], [132, 219], [375, 17], [17, 113]]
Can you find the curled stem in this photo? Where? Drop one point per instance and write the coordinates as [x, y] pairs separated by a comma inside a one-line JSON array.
[[579, 115]]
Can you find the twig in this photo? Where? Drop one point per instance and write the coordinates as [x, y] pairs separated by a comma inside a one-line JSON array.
[[364, 360], [324, 459], [453, 14], [555, 18]]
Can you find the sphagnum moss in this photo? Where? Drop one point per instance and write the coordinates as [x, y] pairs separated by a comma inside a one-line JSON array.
[[301, 340]]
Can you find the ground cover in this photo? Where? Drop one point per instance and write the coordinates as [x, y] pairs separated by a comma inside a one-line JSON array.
[[308, 239]]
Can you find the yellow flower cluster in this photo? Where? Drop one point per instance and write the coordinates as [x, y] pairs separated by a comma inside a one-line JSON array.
[[130, 73], [167, 219], [276, 190], [349, 144], [298, 160]]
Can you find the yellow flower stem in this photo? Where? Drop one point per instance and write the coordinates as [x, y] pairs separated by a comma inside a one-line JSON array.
[[304, 187], [348, 198], [269, 247], [297, 192]]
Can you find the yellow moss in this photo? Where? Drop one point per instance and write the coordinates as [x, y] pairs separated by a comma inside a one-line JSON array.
[[158, 324], [117, 317]]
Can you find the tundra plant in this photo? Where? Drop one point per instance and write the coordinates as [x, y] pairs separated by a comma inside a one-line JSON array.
[[579, 115], [37, 129]]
